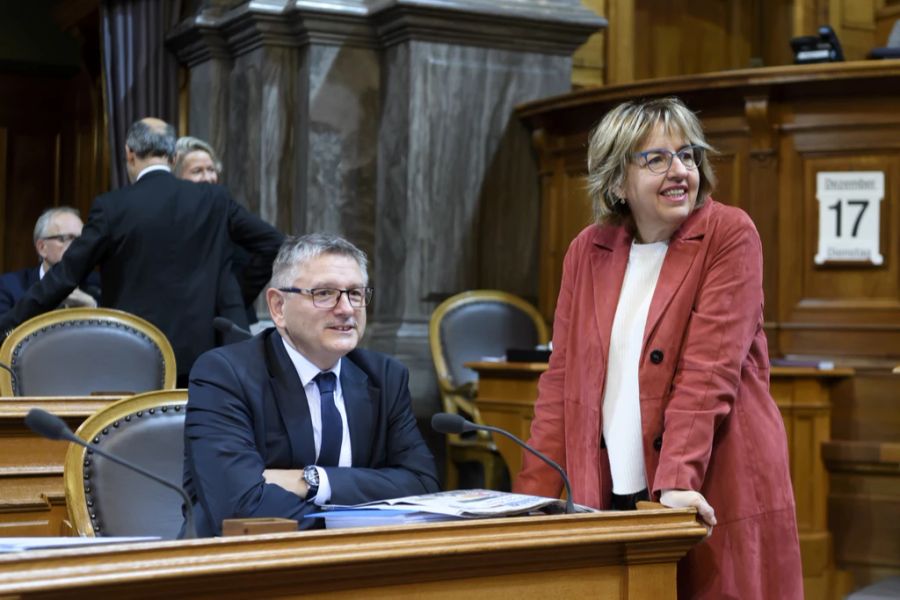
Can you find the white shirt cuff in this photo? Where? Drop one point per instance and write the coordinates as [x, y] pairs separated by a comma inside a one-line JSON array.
[[324, 493]]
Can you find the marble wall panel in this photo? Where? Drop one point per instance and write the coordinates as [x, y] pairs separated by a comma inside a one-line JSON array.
[[208, 120], [341, 144], [262, 131], [453, 165]]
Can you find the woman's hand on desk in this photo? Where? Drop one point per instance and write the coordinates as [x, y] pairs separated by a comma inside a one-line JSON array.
[[687, 498]]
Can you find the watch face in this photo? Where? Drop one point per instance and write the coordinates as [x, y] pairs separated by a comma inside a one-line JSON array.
[[311, 476]]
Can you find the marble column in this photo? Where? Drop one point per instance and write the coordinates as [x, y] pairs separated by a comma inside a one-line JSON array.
[[389, 122], [458, 194], [288, 91]]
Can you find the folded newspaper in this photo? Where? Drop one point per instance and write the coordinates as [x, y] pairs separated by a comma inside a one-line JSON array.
[[441, 506]]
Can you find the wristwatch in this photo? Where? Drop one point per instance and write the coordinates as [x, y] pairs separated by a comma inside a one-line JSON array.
[[311, 477]]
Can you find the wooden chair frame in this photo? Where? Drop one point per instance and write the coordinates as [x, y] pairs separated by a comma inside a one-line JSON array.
[[92, 427], [455, 399], [29, 327]]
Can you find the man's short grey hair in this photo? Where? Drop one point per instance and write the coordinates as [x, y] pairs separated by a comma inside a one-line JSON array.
[[187, 144], [43, 222], [298, 250], [147, 140]]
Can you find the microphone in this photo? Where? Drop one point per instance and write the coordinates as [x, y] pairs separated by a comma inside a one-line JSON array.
[[12, 375], [223, 325], [450, 423], [52, 427]]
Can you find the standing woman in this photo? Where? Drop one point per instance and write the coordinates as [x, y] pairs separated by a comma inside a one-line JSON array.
[[658, 385], [239, 285]]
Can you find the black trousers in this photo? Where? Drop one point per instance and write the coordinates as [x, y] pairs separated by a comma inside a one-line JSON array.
[[629, 501]]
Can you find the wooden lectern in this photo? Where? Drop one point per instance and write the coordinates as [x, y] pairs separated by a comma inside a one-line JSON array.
[[627, 555]]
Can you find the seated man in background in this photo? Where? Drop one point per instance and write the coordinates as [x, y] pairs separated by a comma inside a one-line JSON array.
[[54, 230], [195, 160], [298, 416]]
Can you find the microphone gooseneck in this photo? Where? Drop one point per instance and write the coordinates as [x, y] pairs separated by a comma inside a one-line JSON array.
[[48, 425], [450, 423], [223, 325], [52, 427]]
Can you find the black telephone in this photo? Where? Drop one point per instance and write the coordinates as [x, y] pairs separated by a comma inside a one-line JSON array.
[[817, 49]]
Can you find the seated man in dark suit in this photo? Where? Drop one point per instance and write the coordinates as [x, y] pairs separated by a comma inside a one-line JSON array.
[[298, 416], [54, 231]]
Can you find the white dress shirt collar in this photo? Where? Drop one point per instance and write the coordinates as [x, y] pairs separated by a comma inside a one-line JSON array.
[[305, 369], [152, 168]]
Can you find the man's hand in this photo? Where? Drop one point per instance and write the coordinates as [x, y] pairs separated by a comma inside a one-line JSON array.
[[289, 479], [685, 498], [79, 299]]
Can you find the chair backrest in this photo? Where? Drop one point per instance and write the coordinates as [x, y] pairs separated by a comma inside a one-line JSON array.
[[106, 499], [473, 325], [83, 351]]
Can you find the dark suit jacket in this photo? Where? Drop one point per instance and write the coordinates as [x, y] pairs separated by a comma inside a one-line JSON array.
[[247, 412], [163, 245], [14, 284]]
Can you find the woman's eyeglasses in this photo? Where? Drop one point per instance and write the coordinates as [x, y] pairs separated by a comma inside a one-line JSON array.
[[660, 161]]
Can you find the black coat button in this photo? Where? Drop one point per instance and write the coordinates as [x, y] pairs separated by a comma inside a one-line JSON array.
[[656, 356], [657, 444]]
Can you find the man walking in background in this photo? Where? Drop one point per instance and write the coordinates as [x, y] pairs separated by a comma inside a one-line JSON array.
[[162, 245]]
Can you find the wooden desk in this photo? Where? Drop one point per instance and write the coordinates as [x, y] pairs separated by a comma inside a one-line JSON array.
[[32, 500], [629, 555], [506, 396]]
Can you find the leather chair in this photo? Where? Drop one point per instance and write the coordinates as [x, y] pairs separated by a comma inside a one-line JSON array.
[[84, 351], [466, 328], [106, 499]]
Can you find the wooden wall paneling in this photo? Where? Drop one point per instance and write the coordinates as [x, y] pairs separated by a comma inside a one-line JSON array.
[[864, 507], [802, 396], [565, 209], [41, 116], [885, 17], [3, 195], [775, 25], [863, 302], [865, 407], [680, 38], [32, 188], [589, 61], [620, 41], [857, 28]]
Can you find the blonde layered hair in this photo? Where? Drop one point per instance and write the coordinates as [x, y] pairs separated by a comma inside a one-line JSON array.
[[187, 144], [615, 140]]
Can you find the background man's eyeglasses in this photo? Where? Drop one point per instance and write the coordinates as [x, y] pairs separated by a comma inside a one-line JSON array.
[[65, 238], [330, 297], [660, 161]]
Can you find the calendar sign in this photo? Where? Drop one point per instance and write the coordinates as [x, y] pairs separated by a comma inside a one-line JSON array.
[[849, 216]]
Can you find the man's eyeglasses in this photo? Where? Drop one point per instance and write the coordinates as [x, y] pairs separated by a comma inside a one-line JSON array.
[[330, 297], [660, 161], [65, 238]]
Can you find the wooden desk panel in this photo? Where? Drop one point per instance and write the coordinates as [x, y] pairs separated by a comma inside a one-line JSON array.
[[628, 555], [506, 396], [32, 500]]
